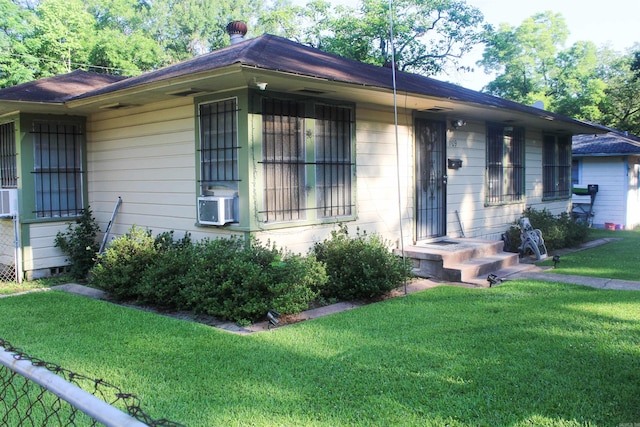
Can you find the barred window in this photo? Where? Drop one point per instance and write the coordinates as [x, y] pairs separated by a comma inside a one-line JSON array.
[[333, 160], [218, 144], [283, 159], [296, 161], [58, 169], [556, 167], [8, 166], [505, 164]]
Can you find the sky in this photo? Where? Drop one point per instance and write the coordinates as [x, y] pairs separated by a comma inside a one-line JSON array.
[[613, 22]]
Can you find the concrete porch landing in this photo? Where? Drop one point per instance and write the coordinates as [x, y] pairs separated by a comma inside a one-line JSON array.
[[460, 260]]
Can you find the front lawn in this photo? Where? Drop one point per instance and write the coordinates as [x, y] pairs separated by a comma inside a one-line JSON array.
[[618, 259], [524, 353], [7, 288]]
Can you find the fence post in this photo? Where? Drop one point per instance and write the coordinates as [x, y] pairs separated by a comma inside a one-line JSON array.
[[18, 249]]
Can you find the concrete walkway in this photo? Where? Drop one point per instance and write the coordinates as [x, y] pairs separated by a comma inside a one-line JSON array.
[[546, 273], [538, 273]]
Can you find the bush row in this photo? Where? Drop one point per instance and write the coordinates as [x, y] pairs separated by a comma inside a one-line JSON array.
[[241, 280], [558, 231]]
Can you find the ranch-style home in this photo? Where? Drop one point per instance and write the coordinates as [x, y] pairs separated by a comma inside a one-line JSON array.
[[275, 139]]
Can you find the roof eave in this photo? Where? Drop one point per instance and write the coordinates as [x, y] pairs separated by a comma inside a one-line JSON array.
[[154, 91]]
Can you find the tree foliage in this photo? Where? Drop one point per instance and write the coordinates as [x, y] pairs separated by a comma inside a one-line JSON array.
[[40, 38], [581, 81], [429, 36]]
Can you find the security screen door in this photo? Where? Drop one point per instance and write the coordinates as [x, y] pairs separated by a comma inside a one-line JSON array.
[[431, 179]]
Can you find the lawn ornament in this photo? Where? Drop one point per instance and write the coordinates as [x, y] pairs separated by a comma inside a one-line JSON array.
[[531, 240]]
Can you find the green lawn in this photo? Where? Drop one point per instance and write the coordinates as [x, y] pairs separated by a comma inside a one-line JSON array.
[[618, 259], [7, 288], [520, 354]]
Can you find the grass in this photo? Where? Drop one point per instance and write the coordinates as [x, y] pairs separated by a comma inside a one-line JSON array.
[[615, 260], [7, 288], [524, 353]]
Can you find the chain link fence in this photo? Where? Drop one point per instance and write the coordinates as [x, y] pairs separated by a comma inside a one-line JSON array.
[[38, 393], [9, 268]]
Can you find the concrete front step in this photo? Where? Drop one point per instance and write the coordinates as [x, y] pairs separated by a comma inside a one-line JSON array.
[[475, 267], [503, 274], [459, 260]]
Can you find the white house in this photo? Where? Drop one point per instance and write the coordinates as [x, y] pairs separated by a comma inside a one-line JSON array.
[[288, 140], [611, 161]]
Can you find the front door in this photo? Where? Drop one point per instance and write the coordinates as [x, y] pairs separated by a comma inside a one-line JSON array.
[[431, 179]]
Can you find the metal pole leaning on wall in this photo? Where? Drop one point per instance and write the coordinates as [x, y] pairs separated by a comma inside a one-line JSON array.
[[70, 393], [108, 230]]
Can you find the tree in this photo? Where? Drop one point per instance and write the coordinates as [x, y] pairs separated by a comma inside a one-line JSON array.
[[525, 58], [621, 107], [63, 35], [428, 35], [578, 87], [17, 64], [582, 81], [46, 37]]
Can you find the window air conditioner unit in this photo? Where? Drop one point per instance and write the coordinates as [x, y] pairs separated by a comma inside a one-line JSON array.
[[8, 202], [216, 210]]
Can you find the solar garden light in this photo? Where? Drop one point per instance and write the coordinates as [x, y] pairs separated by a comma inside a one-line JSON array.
[[492, 279], [556, 261], [272, 316]]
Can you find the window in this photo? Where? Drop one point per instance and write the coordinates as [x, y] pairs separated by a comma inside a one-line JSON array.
[[505, 164], [218, 145], [283, 158], [297, 161], [8, 168], [333, 160], [556, 167], [58, 169], [575, 172]]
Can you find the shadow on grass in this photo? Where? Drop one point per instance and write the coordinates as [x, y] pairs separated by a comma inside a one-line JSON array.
[[520, 354]]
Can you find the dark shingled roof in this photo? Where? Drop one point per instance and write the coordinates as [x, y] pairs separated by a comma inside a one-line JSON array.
[[272, 53], [609, 144], [58, 88], [278, 54]]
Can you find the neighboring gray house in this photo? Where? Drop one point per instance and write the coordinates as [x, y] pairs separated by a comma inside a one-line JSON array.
[[612, 161], [281, 141]]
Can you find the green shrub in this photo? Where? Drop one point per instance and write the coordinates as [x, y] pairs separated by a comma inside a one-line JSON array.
[[360, 267], [228, 278], [558, 231], [241, 281], [121, 267], [79, 244], [162, 281]]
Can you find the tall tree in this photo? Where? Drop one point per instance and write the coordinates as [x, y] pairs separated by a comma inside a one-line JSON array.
[[525, 58], [63, 35], [621, 107], [428, 35], [17, 63]]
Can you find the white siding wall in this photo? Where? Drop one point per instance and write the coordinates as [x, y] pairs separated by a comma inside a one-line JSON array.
[[40, 253], [147, 156], [633, 197], [466, 189], [611, 176]]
